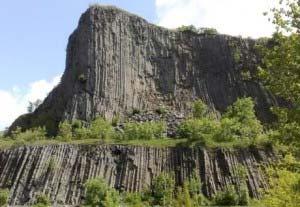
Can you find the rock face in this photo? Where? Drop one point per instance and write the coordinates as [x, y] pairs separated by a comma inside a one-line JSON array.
[[117, 61], [60, 171]]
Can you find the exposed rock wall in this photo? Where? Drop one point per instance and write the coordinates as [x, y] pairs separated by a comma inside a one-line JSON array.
[[61, 170], [117, 61]]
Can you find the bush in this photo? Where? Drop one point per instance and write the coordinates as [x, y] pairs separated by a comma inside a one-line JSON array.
[[4, 194], [145, 130], [200, 130], [228, 197], [42, 201], [115, 120], [163, 189], [81, 133], [284, 184], [207, 31], [200, 110], [244, 124], [98, 193], [133, 200], [29, 135], [189, 28], [64, 131], [100, 128]]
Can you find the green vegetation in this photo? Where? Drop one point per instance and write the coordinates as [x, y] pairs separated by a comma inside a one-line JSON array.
[[193, 29], [144, 131], [99, 194], [163, 192], [82, 78], [42, 201], [4, 195], [238, 126]]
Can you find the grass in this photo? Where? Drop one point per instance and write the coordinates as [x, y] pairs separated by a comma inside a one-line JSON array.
[[159, 143]]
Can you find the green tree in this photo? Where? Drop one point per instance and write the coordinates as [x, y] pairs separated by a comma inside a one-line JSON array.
[[240, 121], [284, 180], [200, 110], [99, 194], [163, 187], [65, 131], [101, 129], [280, 68], [144, 131], [227, 197], [201, 131]]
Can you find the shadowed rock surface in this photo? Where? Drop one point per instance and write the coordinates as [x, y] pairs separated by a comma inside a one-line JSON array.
[[61, 170], [117, 61]]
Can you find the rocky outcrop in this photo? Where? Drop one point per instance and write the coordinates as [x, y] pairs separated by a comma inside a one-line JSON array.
[[117, 61], [60, 171]]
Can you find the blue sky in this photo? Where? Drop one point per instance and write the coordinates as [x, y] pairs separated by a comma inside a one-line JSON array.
[[34, 34]]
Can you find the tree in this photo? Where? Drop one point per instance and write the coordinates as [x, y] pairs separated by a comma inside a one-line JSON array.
[[33, 105], [163, 189], [65, 131], [240, 121], [280, 68], [284, 180], [99, 194]]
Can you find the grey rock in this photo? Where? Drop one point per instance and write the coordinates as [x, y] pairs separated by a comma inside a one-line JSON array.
[[117, 61], [60, 171]]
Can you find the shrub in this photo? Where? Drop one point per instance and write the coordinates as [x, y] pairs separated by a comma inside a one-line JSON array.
[[65, 131], [115, 120], [4, 194], [42, 201], [29, 135], [200, 130], [145, 130], [229, 131], [244, 123], [98, 193], [207, 31], [100, 128], [133, 199], [228, 197], [200, 110], [81, 133], [194, 185], [189, 28], [163, 189]]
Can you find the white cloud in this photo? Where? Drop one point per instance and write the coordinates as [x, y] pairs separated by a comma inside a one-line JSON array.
[[234, 17], [14, 102]]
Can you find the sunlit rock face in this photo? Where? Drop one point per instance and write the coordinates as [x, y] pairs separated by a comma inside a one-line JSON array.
[[60, 171], [117, 61]]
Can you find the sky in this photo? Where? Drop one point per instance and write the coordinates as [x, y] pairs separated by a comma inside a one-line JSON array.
[[34, 35]]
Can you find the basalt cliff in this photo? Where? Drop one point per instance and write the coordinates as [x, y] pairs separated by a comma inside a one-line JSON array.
[[60, 171], [117, 62]]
